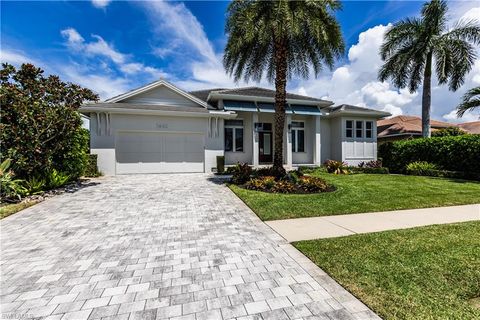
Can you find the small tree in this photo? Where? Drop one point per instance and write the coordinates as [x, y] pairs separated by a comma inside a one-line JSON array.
[[40, 125]]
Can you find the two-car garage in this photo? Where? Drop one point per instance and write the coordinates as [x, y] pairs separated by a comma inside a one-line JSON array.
[[159, 152]]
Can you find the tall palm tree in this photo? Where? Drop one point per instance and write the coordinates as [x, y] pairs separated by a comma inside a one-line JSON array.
[[471, 100], [412, 46], [280, 39]]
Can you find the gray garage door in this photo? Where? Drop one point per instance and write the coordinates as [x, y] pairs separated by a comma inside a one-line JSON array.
[[159, 152]]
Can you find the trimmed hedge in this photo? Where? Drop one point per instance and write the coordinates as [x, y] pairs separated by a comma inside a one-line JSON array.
[[452, 153]]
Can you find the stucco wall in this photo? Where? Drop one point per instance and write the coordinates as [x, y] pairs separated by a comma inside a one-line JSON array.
[[325, 137]]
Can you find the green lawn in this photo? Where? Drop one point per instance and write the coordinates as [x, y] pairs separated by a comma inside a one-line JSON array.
[[421, 273], [358, 193], [9, 209]]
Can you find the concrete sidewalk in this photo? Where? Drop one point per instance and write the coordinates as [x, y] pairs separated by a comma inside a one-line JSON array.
[[344, 225]]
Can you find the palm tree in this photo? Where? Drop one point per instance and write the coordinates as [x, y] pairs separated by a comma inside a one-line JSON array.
[[471, 100], [280, 39], [412, 46]]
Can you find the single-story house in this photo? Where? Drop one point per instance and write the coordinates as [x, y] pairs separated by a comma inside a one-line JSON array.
[[159, 128], [408, 127], [405, 127], [472, 127]]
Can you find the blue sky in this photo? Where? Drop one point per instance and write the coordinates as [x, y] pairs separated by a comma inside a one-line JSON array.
[[112, 46]]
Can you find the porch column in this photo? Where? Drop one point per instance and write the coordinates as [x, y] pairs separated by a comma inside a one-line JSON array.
[[289, 140], [254, 140], [317, 146]]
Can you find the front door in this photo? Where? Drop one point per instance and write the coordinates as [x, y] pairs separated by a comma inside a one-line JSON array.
[[265, 147]]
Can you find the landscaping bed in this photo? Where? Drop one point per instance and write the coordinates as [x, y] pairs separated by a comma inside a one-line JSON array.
[[269, 181], [9, 208], [422, 273], [359, 193]]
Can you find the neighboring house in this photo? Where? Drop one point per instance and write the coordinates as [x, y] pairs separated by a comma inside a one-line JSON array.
[[405, 127], [471, 127], [160, 128]]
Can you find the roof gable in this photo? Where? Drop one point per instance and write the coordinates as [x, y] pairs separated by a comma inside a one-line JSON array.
[[159, 93]]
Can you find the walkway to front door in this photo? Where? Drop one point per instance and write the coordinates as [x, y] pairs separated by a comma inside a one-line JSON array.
[[159, 247]]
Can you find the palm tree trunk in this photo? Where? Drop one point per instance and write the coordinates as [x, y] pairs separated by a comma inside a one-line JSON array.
[[427, 96], [280, 101]]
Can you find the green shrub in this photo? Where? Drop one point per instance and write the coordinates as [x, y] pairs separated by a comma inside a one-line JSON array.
[[92, 167], [73, 159], [420, 167], [313, 184], [264, 172], [336, 167], [41, 127], [35, 185], [10, 188], [241, 173], [57, 179], [284, 186], [220, 164], [452, 153], [264, 183]]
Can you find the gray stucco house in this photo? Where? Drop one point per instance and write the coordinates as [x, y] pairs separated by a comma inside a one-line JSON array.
[[160, 128]]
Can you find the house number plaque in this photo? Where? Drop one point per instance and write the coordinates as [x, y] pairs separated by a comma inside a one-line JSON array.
[[162, 125]]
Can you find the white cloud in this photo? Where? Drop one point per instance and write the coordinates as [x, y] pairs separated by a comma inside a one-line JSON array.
[[472, 14], [176, 24], [72, 36], [100, 48], [105, 85], [178, 32], [355, 82], [101, 4], [467, 117], [15, 57]]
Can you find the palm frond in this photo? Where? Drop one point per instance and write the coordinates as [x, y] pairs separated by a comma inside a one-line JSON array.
[[308, 29], [470, 101]]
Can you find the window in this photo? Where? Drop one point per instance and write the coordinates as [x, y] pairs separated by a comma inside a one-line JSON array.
[[298, 136], [234, 135], [349, 132], [358, 129], [368, 129]]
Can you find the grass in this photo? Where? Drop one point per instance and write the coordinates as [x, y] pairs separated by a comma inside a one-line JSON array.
[[359, 193], [9, 209], [421, 273]]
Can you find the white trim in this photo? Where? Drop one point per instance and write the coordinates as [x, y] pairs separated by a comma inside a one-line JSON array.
[[153, 86], [296, 136], [234, 136], [225, 115], [237, 97]]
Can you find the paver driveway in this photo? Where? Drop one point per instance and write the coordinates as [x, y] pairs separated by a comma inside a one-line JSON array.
[[156, 247]]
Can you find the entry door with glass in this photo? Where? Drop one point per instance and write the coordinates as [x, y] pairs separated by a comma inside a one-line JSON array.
[[265, 152]]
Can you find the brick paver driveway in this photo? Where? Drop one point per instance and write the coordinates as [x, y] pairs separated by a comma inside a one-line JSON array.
[[157, 247]]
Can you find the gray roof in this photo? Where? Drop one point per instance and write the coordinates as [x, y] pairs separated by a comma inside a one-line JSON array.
[[203, 94], [348, 107], [249, 91], [119, 105]]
